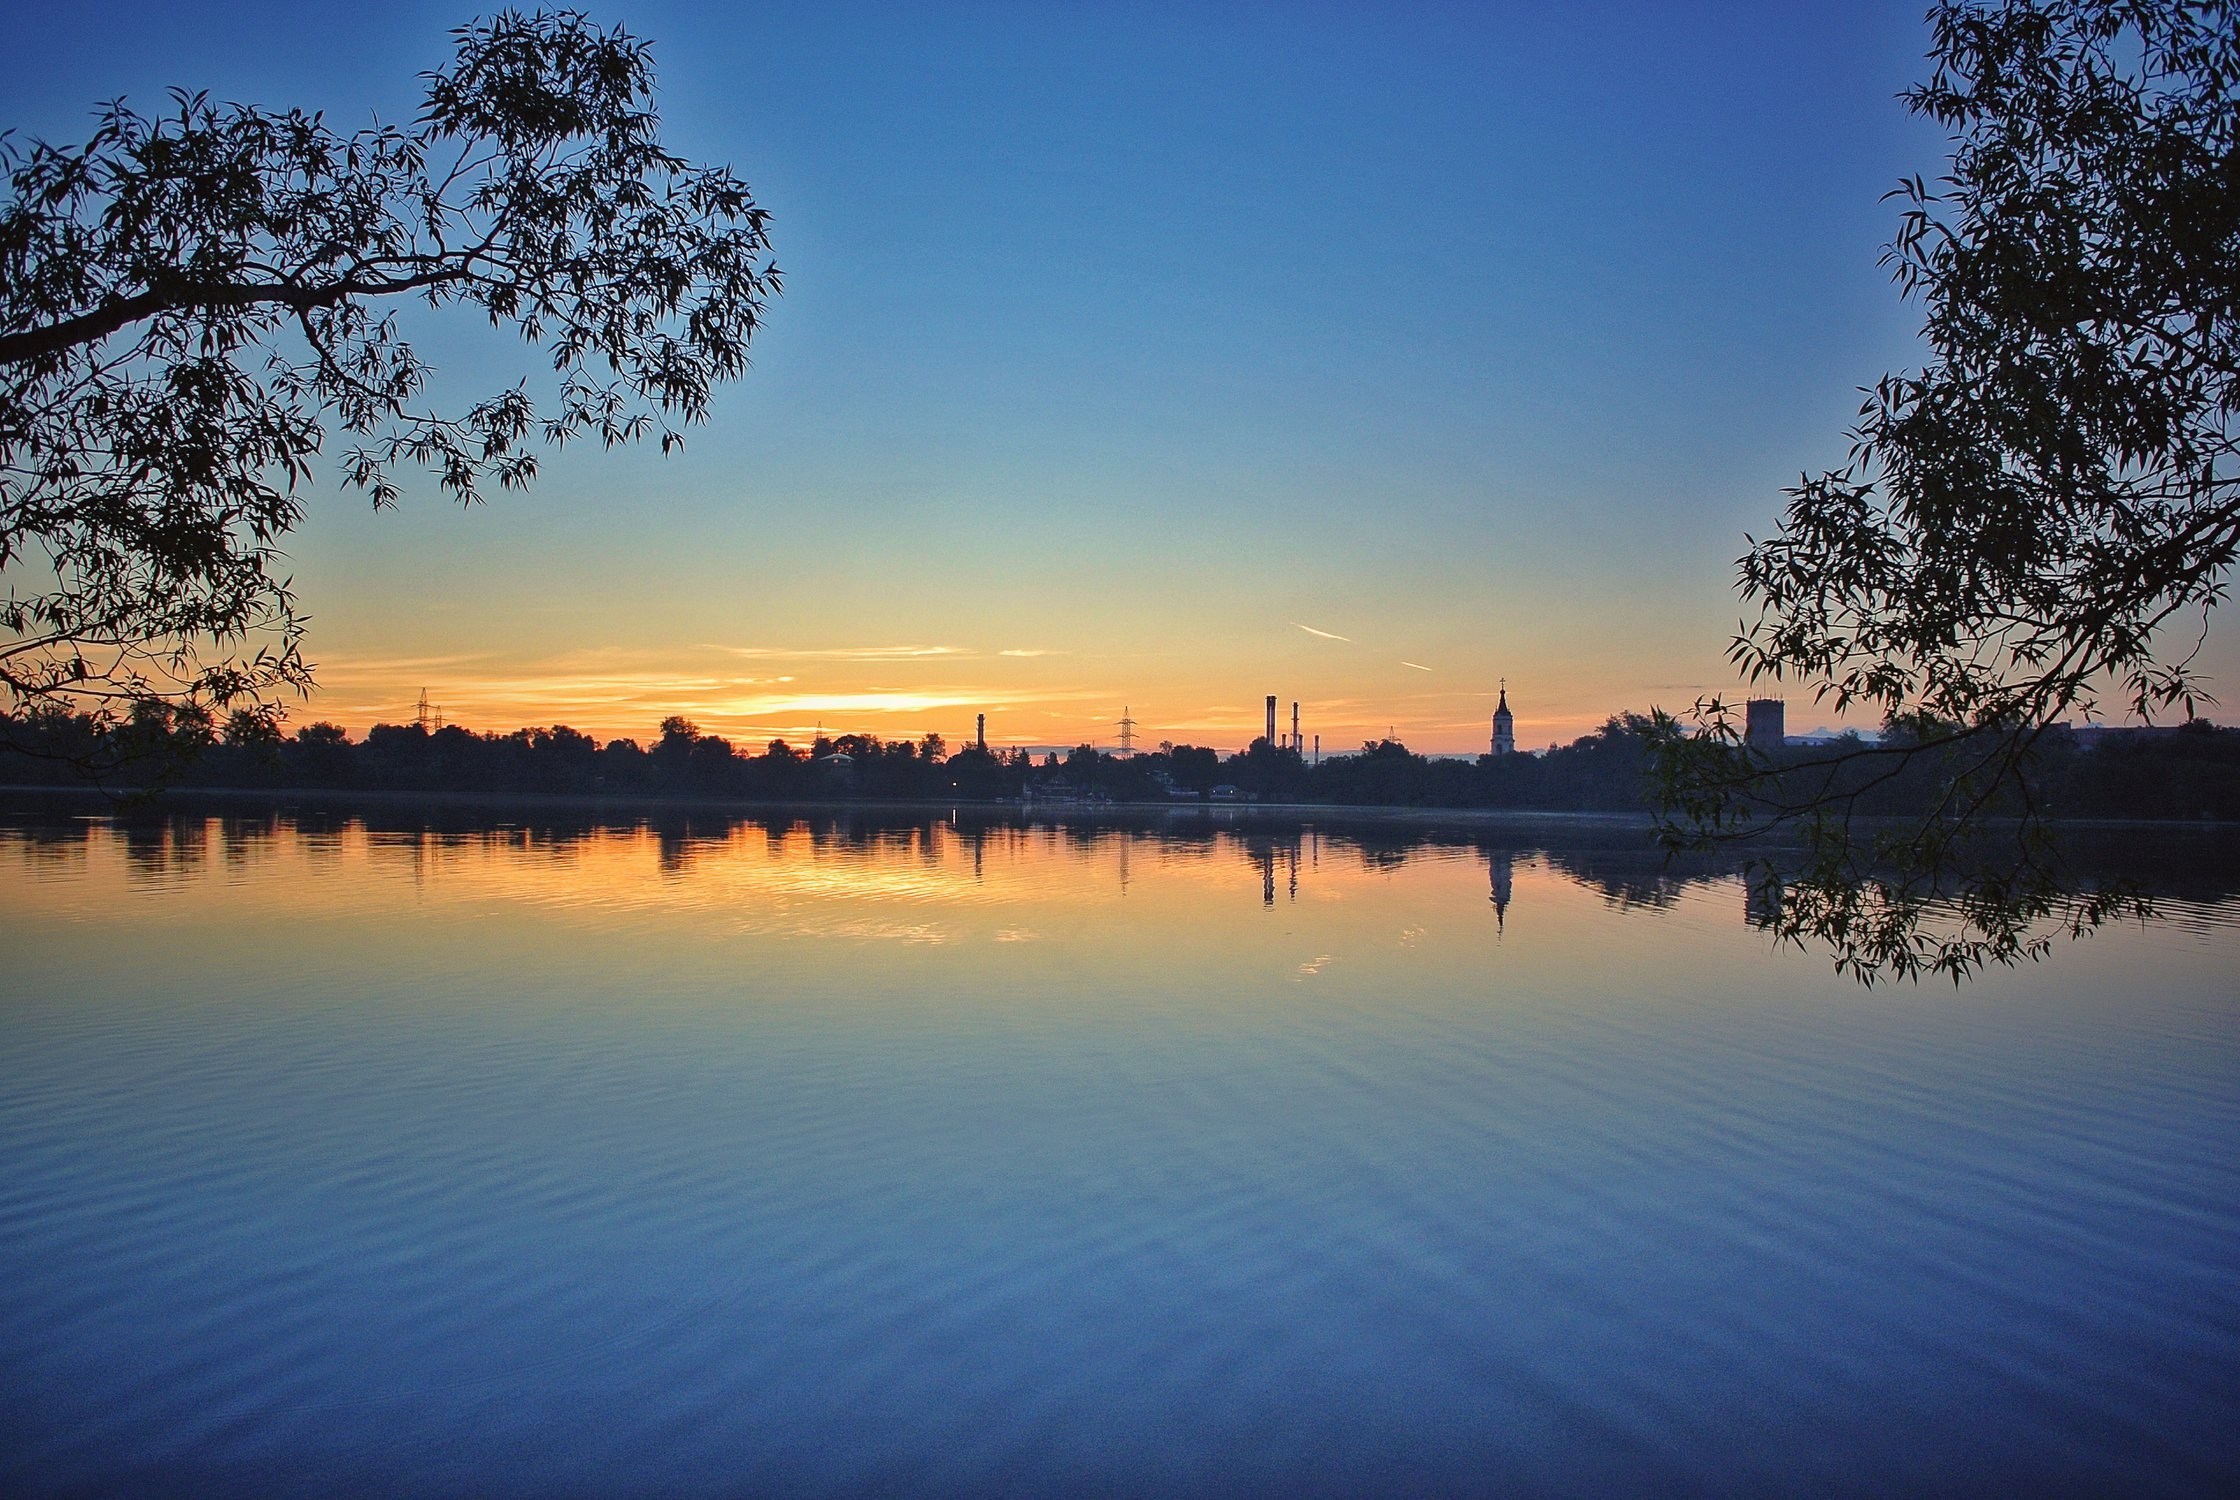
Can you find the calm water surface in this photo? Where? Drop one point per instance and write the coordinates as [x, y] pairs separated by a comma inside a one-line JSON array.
[[804, 1157]]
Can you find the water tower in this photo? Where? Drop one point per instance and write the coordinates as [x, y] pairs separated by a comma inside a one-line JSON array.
[[1764, 724]]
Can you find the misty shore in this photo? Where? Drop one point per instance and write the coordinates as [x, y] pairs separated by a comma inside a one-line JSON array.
[[344, 799], [1045, 810]]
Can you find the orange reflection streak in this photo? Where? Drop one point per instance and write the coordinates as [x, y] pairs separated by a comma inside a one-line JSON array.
[[890, 919], [1052, 910]]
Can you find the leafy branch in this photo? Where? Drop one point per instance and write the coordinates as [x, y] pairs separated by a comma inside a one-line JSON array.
[[190, 303]]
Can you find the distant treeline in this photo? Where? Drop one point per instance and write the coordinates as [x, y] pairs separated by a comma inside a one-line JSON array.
[[2190, 773]]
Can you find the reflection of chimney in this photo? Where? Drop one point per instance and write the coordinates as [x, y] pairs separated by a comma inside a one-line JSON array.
[[980, 737], [1271, 721], [1294, 723]]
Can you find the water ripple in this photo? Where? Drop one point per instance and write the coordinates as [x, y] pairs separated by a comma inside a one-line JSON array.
[[358, 1162]]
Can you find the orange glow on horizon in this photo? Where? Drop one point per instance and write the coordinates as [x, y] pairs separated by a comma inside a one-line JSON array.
[[1032, 698]]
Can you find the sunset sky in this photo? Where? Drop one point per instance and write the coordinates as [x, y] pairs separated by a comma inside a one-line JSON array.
[[1148, 357]]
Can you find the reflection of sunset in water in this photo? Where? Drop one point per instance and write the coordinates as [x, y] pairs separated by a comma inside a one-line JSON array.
[[1054, 908], [1024, 909]]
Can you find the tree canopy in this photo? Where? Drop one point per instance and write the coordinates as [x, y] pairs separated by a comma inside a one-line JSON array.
[[2037, 523], [191, 303]]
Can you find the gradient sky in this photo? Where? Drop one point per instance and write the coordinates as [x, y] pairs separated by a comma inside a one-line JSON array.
[[1156, 357]]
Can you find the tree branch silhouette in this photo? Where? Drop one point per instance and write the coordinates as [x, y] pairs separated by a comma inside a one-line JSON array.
[[190, 305]]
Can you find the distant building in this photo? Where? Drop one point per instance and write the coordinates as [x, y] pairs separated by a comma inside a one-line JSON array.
[[2093, 736], [1764, 724], [1504, 725]]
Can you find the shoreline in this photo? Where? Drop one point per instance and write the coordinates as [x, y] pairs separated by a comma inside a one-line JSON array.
[[129, 804], [342, 798]]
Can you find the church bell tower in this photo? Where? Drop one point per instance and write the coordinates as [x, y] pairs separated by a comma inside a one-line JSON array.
[[1504, 724]]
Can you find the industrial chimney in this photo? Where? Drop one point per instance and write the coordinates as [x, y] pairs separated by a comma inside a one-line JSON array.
[[1271, 721]]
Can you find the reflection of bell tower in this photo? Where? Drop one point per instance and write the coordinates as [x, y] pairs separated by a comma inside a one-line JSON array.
[[1498, 863], [1504, 724], [1761, 904]]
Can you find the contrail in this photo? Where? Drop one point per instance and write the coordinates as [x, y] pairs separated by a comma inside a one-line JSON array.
[[1326, 635], [1419, 666]]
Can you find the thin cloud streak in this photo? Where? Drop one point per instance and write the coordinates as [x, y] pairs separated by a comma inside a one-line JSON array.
[[1419, 666], [870, 703], [844, 653], [330, 662], [1326, 635]]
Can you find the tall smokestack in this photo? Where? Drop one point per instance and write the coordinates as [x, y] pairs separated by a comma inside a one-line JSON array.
[[980, 737], [1294, 723], [1271, 721]]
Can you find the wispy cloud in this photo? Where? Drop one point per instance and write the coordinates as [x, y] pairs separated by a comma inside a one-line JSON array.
[[346, 662], [1030, 653], [1419, 666], [842, 653], [1326, 635], [878, 701]]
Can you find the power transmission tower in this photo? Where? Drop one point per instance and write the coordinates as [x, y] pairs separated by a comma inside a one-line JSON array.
[[1127, 732]]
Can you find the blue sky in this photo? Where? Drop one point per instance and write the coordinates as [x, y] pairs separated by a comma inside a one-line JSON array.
[[1122, 341]]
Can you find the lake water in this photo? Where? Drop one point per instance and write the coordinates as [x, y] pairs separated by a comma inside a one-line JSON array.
[[506, 1156]]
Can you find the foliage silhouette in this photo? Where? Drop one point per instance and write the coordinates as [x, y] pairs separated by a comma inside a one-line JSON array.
[[2192, 774], [2025, 520], [190, 303]]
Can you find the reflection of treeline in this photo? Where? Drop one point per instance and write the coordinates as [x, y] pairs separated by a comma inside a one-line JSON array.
[[1276, 856], [2191, 773]]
